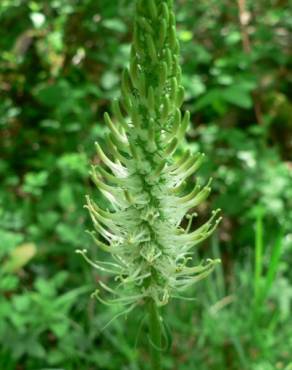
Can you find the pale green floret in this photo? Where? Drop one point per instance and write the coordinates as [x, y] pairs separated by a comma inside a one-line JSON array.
[[145, 181]]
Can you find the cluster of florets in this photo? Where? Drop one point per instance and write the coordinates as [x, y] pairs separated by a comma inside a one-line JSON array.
[[145, 183]]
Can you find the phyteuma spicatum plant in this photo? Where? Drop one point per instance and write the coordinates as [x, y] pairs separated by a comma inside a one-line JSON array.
[[144, 180]]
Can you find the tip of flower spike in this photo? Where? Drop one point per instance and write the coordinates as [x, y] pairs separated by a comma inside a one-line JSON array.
[[216, 211], [81, 251], [87, 198], [190, 216], [95, 294], [219, 220], [214, 261], [90, 232]]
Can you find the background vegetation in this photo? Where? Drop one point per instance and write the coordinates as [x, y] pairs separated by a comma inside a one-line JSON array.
[[59, 67]]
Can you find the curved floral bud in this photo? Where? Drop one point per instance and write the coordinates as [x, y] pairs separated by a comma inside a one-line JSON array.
[[171, 148], [162, 32], [118, 114], [145, 25], [152, 9], [165, 12], [151, 99], [151, 48], [163, 75], [180, 96]]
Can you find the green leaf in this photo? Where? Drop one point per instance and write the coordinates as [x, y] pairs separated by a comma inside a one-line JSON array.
[[21, 303], [115, 24], [8, 241], [52, 95], [45, 287], [238, 97], [34, 182], [60, 328], [8, 282]]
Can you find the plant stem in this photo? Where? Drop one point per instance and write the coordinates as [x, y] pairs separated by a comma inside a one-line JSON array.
[[155, 335], [259, 244]]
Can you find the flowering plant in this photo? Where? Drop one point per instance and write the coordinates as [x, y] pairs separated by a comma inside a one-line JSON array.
[[145, 181]]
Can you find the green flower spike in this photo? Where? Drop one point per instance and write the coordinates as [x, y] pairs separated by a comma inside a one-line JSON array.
[[145, 180]]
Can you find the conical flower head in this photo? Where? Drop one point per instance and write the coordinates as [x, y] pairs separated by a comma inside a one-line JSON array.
[[142, 178]]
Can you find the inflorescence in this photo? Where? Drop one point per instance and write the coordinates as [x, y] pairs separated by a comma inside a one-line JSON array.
[[145, 180]]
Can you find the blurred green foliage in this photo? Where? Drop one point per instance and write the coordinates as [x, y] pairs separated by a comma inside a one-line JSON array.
[[60, 64]]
